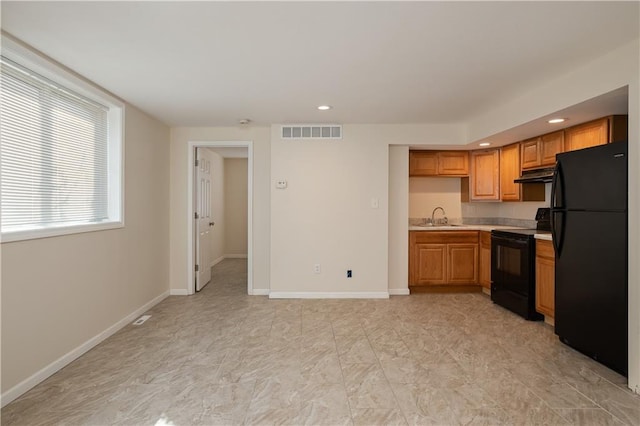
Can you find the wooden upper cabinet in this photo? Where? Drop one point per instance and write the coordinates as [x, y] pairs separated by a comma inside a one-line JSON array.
[[453, 163], [587, 135], [485, 175], [510, 170], [423, 163], [438, 163], [550, 145], [530, 150], [597, 132], [541, 151]]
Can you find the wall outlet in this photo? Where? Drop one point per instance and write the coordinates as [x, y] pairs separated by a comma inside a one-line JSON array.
[[316, 268], [349, 273]]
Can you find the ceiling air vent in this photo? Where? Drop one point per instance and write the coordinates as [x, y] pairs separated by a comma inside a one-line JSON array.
[[317, 131]]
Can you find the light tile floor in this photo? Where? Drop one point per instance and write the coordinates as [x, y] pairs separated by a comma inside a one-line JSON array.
[[222, 357]]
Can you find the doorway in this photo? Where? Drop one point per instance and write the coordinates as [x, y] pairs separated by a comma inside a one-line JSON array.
[[225, 149]]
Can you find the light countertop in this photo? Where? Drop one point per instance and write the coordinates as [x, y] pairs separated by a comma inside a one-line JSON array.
[[546, 237]]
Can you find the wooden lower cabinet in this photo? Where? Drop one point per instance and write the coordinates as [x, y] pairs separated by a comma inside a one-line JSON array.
[[545, 278], [462, 261], [443, 258], [430, 263], [484, 261]]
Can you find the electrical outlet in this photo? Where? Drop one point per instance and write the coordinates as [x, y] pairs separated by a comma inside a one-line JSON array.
[[316, 268], [349, 274]]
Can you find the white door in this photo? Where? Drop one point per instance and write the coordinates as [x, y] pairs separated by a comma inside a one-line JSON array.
[[204, 222]]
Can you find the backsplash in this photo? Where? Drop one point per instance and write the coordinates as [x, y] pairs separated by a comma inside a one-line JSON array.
[[506, 221], [417, 221]]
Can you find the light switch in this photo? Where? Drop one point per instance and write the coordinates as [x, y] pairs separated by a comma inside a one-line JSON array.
[[281, 184], [374, 203]]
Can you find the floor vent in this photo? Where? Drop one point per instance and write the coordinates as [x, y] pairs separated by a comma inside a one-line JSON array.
[[312, 131], [141, 320]]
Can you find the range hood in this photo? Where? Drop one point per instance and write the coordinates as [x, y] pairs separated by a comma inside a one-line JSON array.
[[536, 176]]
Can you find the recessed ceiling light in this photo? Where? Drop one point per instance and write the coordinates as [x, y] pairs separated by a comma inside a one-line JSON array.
[[556, 120], [324, 107], [485, 144]]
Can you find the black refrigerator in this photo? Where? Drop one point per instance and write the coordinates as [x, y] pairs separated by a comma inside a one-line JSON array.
[[589, 227]]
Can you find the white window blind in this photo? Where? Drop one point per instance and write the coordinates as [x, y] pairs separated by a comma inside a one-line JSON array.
[[54, 154]]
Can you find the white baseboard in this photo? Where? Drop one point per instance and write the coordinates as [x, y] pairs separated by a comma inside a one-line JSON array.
[[235, 256], [399, 292], [218, 260], [260, 292], [69, 357], [328, 295], [179, 292]]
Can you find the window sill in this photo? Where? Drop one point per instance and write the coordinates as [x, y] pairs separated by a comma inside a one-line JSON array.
[[32, 234]]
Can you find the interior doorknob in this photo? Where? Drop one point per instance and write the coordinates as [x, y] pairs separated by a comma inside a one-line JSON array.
[[211, 223]]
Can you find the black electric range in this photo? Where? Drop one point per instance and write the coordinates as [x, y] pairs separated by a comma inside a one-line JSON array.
[[513, 274]]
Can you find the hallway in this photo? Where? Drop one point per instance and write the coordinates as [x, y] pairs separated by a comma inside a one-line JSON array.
[[222, 357]]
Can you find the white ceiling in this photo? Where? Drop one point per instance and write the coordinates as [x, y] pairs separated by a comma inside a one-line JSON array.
[[213, 63]]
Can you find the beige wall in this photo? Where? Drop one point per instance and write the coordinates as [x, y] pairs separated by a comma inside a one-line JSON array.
[[398, 225], [180, 137], [59, 292], [427, 193], [325, 216], [235, 206]]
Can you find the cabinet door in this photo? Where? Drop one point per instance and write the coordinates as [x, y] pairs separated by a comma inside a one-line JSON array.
[[530, 154], [430, 264], [586, 135], [545, 286], [484, 263], [485, 175], [453, 163], [462, 261], [545, 278], [510, 170], [423, 163], [550, 145]]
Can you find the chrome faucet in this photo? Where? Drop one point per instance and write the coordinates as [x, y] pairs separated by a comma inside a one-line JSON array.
[[433, 221]]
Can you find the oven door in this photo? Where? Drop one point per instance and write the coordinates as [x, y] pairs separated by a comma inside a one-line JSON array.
[[511, 264]]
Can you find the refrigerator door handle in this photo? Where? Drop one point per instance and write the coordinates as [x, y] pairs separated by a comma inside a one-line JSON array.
[[556, 236], [554, 186]]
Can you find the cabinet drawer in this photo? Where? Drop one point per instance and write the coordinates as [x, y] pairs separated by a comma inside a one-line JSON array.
[[444, 237], [545, 249]]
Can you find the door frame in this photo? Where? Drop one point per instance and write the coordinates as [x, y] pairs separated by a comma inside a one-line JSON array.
[[192, 145]]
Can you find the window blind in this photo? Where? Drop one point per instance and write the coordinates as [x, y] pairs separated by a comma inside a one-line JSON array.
[[54, 153]]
